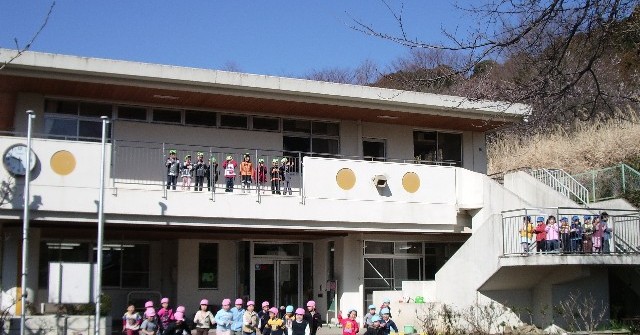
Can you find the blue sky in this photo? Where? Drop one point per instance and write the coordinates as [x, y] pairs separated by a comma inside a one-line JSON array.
[[284, 38]]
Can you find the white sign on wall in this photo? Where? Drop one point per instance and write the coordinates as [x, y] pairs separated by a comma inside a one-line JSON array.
[[71, 283]]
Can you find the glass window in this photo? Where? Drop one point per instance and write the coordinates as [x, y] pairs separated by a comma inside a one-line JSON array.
[[326, 128], [260, 249], [61, 107], [125, 265], [378, 268], [266, 123], [50, 251], [325, 146], [60, 127], [450, 147], [233, 121], [434, 146], [372, 247], [293, 144], [95, 110], [201, 118], [408, 248], [405, 269], [92, 129], [132, 113], [296, 126], [425, 145], [167, 115], [208, 265]]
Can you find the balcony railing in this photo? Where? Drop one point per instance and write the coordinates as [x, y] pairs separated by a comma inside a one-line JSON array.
[[623, 227]]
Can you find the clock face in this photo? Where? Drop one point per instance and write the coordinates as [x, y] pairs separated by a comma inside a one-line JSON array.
[[15, 159]]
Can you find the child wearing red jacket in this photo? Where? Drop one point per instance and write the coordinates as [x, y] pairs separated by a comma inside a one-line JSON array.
[[350, 325], [229, 168]]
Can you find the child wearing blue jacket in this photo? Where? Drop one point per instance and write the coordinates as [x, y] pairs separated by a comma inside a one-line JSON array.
[[224, 318]]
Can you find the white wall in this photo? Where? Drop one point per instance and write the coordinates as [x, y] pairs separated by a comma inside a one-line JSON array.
[[349, 267], [399, 138]]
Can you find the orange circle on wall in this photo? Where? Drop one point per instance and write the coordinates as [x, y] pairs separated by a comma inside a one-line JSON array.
[[411, 182], [63, 162], [346, 179]]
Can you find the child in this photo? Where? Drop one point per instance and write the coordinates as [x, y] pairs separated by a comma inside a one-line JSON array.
[[375, 328], [262, 173], [349, 325], [386, 323], [299, 326], [312, 317], [275, 177], [224, 318], [285, 175], [606, 232], [203, 319], [238, 314], [131, 321], [263, 315], [575, 234], [526, 233], [587, 244], [288, 316], [368, 319], [185, 172], [211, 173], [541, 234], [200, 170], [596, 238], [149, 326], [173, 167], [246, 172], [178, 326], [250, 320], [165, 314], [275, 324], [386, 304], [229, 167]]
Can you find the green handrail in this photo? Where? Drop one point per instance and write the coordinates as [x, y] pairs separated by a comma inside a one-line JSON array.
[[612, 181]]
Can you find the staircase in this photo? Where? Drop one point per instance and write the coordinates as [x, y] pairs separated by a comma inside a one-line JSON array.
[[564, 183]]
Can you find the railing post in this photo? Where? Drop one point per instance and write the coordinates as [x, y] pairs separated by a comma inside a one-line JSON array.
[[624, 181], [593, 184], [165, 173], [300, 177], [257, 177]]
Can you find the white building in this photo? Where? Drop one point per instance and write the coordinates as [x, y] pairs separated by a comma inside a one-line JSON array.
[[437, 220]]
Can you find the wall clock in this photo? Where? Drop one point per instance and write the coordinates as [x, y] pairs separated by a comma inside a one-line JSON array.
[[15, 159]]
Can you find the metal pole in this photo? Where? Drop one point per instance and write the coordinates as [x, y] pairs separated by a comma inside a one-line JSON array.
[[624, 180], [98, 279], [25, 227]]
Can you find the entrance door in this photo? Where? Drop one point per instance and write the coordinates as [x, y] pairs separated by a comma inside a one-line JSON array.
[[277, 281]]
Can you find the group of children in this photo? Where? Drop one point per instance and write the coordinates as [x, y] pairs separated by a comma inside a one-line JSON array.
[[375, 323], [279, 174], [228, 320], [592, 235]]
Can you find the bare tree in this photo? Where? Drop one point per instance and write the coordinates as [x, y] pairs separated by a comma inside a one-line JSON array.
[[566, 58], [21, 49], [366, 73], [582, 313]]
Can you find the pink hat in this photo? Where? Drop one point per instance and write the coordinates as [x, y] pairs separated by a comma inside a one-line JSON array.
[[148, 304], [164, 301], [204, 302], [251, 303], [238, 301], [311, 303], [180, 309], [273, 310], [265, 304], [150, 312], [179, 316], [226, 302], [300, 311]]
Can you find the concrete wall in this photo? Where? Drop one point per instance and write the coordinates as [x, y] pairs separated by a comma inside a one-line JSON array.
[[55, 325], [399, 139], [534, 192], [349, 267]]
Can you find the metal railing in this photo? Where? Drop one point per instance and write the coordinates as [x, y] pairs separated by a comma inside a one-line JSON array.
[[563, 183], [622, 232], [611, 182]]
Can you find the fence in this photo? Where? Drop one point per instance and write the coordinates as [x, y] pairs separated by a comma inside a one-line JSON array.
[[623, 228], [611, 182]]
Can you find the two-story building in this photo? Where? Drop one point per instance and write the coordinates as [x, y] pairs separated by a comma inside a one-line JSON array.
[[385, 185]]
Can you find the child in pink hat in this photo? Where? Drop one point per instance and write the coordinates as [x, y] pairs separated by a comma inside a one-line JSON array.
[[224, 318], [150, 325], [275, 324], [250, 319], [238, 313], [203, 319], [165, 314], [299, 326], [312, 317], [263, 316], [178, 326]]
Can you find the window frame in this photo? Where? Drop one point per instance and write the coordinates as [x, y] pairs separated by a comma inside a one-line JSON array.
[[216, 285]]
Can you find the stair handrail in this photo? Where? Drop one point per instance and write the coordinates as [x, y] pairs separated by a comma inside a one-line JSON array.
[[550, 179]]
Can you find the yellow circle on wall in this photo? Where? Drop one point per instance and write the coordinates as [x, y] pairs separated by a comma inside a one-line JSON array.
[[411, 182], [346, 179], [63, 162]]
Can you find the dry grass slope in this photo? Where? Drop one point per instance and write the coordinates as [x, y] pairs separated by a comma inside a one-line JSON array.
[[589, 146]]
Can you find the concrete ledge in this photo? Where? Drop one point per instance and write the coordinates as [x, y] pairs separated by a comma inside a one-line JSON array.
[[559, 259], [55, 325]]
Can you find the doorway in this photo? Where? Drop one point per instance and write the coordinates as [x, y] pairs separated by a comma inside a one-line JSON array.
[[277, 276]]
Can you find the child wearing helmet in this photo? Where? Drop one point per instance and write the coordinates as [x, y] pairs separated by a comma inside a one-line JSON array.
[[386, 303], [369, 316], [246, 172], [275, 177], [386, 323], [173, 169], [285, 175], [526, 233], [288, 316], [313, 317], [203, 319], [576, 234], [224, 318], [229, 167], [349, 325], [299, 326], [262, 174], [185, 172], [374, 328], [199, 168], [275, 324]]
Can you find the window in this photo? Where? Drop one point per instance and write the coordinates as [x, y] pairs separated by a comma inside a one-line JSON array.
[[167, 115], [132, 113], [266, 123], [261, 249], [325, 128], [296, 126], [432, 146], [233, 121], [325, 146], [306, 136], [200, 118], [208, 265], [71, 120], [374, 149], [95, 110], [56, 251], [125, 265]]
